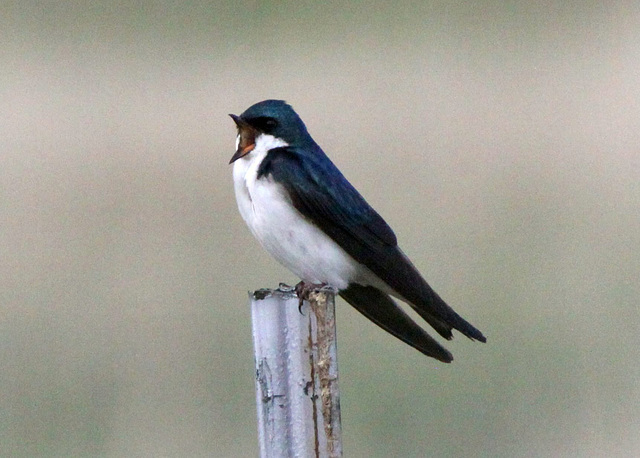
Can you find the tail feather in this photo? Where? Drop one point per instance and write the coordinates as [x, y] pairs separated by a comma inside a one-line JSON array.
[[448, 318], [382, 310]]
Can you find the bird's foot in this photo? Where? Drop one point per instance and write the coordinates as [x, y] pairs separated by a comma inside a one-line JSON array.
[[303, 290]]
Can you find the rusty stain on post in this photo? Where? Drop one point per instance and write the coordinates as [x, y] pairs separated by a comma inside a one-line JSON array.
[[326, 340]]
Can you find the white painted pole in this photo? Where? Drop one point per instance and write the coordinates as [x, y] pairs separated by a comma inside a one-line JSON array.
[[296, 374]]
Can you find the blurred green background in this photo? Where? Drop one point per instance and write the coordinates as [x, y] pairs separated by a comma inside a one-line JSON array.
[[501, 140]]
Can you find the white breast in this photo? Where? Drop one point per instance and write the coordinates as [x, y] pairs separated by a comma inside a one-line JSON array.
[[289, 237]]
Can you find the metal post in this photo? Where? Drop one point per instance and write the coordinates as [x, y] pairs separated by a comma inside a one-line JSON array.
[[296, 374]]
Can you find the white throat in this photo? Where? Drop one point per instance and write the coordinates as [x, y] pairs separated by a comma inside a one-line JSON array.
[[245, 174], [245, 169]]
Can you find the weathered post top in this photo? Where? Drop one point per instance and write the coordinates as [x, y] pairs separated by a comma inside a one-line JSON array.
[[297, 393]]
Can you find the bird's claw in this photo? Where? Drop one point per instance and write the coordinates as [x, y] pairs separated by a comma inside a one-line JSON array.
[[303, 290]]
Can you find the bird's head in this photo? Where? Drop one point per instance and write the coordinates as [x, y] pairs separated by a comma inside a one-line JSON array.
[[269, 117]]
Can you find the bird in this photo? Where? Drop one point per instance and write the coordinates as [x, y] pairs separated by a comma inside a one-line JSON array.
[[307, 215]]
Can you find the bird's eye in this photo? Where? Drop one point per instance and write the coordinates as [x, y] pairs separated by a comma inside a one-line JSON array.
[[266, 124], [271, 124]]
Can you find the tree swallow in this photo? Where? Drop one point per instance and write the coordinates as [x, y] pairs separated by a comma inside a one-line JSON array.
[[306, 214]]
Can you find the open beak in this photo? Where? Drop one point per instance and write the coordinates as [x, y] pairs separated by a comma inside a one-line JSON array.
[[247, 141]]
